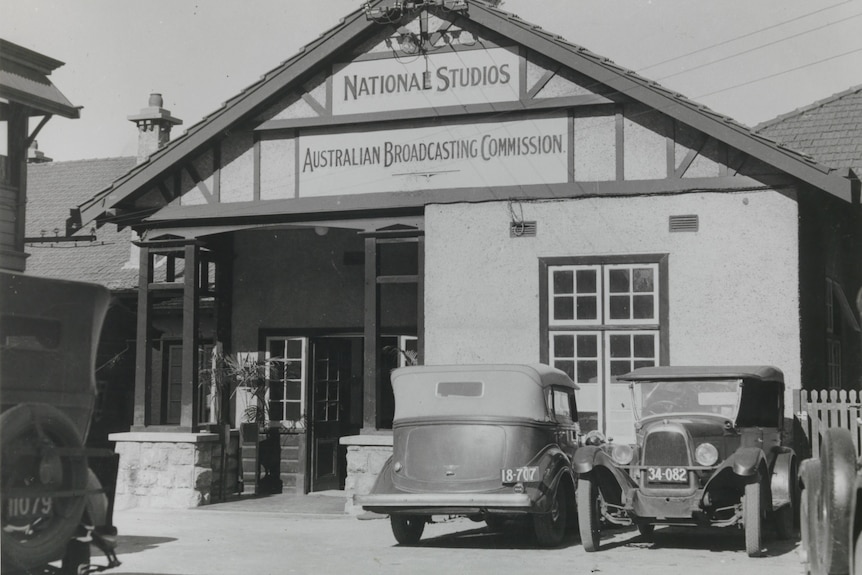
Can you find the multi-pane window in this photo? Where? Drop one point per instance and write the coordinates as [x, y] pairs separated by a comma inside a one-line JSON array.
[[286, 367], [833, 362], [604, 319]]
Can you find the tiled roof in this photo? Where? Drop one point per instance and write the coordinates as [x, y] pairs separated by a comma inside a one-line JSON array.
[[53, 188], [603, 70], [829, 130]]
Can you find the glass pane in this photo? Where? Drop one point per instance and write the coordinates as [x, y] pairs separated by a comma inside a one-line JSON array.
[[588, 372], [642, 280], [620, 368], [642, 363], [291, 411], [276, 410], [320, 411], [294, 369], [587, 281], [567, 366], [276, 391], [621, 346], [398, 259], [644, 346], [643, 307], [564, 346], [588, 346], [564, 308], [588, 308], [276, 370], [294, 349], [332, 411], [564, 282], [618, 280], [294, 390], [276, 348], [619, 307]]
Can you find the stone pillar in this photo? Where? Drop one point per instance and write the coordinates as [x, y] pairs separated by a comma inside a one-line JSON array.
[[366, 455], [164, 470]]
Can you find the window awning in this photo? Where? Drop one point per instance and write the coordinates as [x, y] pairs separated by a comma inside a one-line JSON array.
[[24, 80]]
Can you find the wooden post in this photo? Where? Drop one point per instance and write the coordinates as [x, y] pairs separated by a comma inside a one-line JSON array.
[[191, 338], [144, 343], [369, 402]]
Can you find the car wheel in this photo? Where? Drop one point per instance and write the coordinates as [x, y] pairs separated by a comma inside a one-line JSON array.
[[407, 529], [838, 470], [550, 528], [809, 506], [646, 529], [36, 530], [588, 513], [752, 514]]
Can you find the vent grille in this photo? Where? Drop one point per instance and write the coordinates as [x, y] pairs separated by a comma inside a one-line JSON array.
[[522, 229], [665, 448], [690, 223]]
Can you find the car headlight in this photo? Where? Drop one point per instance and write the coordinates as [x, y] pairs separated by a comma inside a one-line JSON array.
[[594, 437], [706, 454], [622, 453]]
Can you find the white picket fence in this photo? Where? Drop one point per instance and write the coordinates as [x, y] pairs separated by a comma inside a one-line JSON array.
[[818, 410]]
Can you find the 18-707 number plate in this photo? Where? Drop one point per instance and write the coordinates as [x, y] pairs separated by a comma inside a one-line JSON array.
[[520, 474]]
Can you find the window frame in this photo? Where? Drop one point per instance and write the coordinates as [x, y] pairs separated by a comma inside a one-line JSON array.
[[302, 401]]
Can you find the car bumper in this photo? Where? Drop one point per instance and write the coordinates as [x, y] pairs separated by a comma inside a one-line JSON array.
[[446, 503]]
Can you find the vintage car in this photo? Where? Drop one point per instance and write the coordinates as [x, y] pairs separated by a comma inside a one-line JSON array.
[[708, 452], [491, 442], [54, 506]]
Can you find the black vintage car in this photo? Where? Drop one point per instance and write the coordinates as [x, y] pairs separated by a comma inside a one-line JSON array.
[[490, 442], [709, 451], [54, 505]]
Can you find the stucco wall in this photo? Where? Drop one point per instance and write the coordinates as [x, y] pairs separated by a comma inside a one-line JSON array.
[[733, 285]]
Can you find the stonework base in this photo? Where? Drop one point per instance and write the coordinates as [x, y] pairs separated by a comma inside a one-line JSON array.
[[166, 470], [366, 455]]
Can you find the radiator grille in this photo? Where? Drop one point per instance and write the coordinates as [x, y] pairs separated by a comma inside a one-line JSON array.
[[665, 448]]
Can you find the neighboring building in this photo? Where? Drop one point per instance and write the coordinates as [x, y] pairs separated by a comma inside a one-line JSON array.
[[830, 131], [25, 93], [452, 180]]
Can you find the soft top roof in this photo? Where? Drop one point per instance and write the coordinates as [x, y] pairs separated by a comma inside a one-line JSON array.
[[755, 372], [543, 375]]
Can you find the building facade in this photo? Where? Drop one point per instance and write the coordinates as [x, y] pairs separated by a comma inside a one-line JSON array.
[[449, 184]]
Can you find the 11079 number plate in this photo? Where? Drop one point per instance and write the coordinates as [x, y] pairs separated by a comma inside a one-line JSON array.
[[520, 474], [667, 475]]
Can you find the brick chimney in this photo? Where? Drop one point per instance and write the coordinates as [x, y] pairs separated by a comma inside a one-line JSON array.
[[154, 127], [34, 156]]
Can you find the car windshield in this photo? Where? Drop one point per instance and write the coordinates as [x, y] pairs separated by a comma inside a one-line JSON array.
[[716, 397]]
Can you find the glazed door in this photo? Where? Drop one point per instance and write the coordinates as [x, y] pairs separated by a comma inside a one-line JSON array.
[[330, 410]]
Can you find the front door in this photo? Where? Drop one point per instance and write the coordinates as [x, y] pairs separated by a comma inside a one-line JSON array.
[[331, 378]]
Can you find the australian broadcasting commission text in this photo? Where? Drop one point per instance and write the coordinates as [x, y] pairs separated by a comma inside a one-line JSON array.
[[390, 153]]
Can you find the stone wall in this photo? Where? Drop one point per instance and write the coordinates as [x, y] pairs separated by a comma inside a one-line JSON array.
[[170, 470], [366, 455]]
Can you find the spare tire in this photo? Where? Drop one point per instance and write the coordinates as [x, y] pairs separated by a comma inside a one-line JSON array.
[[838, 472], [36, 530]]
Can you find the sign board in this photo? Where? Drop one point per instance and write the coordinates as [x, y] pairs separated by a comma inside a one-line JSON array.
[[490, 154], [429, 81]]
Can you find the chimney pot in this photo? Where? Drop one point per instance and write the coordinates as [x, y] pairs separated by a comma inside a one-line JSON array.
[[156, 101]]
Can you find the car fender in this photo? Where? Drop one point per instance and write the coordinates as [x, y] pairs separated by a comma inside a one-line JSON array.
[[594, 457], [745, 462], [587, 457], [383, 483], [784, 478]]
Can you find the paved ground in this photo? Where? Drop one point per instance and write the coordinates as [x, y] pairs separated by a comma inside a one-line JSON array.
[[287, 534]]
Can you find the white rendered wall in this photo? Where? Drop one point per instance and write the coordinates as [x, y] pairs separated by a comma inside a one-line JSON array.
[[733, 285]]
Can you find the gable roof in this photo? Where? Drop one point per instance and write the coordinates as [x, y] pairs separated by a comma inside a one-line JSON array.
[[625, 83], [829, 130], [51, 188]]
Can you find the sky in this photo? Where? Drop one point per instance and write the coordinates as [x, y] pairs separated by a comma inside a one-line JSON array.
[[749, 59]]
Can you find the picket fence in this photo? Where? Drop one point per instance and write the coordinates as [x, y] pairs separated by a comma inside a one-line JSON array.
[[818, 410]]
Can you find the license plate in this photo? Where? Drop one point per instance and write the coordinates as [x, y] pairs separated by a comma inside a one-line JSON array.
[[520, 474], [667, 475], [23, 511]]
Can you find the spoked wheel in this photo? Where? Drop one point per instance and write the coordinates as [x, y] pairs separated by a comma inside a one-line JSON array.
[[407, 529], [589, 510], [550, 528], [36, 529], [752, 515], [837, 472]]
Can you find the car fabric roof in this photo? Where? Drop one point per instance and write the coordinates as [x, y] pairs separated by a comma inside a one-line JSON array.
[[543, 375], [758, 372]]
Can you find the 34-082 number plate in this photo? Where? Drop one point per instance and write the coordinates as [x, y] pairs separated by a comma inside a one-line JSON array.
[[667, 475], [520, 474]]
